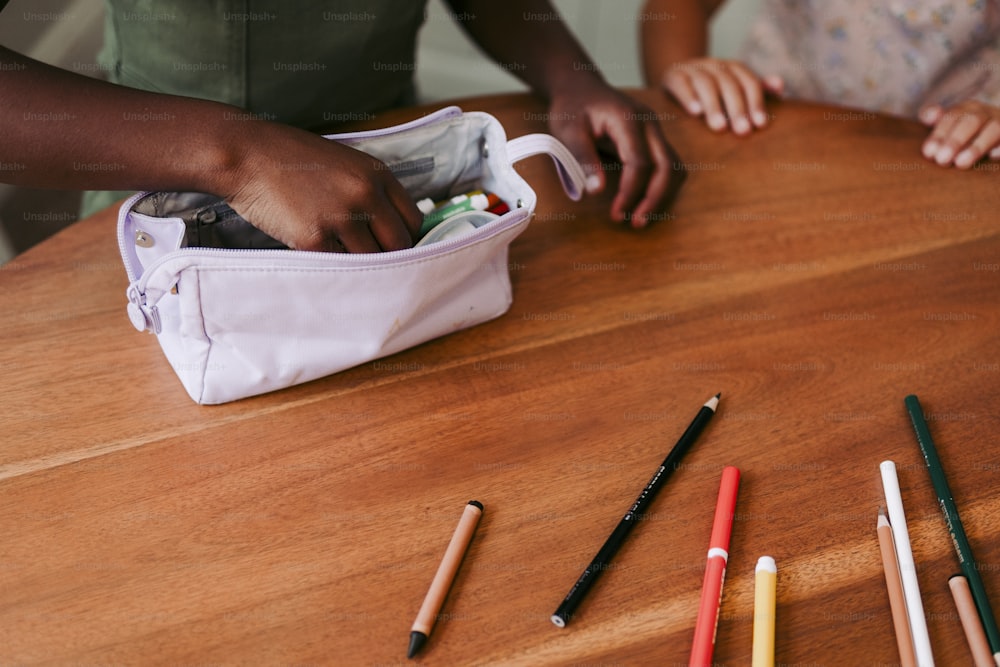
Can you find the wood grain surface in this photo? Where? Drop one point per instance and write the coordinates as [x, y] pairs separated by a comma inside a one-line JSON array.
[[815, 273]]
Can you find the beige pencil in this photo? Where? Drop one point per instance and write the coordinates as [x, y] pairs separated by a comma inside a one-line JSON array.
[[897, 604], [969, 616], [445, 575]]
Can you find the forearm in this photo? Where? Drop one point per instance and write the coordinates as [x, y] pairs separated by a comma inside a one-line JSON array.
[[530, 40], [673, 31], [59, 129]]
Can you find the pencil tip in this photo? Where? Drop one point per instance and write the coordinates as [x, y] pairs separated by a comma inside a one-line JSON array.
[[417, 640], [719, 395]]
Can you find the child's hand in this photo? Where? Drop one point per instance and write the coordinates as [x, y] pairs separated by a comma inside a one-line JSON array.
[[725, 92], [963, 134], [590, 112]]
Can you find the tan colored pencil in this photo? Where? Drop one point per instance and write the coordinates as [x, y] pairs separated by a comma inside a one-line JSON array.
[[900, 618], [969, 616], [445, 575]]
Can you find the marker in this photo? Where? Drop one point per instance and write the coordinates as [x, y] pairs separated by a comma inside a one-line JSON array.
[[894, 585], [603, 558], [715, 570], [445, 575], [958, 538], [764, 593], [907, 569], [499, 208], [973, 628], [473, 201]]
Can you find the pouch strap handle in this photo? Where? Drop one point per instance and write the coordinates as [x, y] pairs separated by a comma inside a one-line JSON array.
[[570, 172]]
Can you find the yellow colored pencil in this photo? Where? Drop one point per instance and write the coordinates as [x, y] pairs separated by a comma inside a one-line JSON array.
[[765, 590]]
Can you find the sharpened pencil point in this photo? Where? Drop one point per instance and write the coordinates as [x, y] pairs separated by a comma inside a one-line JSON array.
[[417, 640], [719, 395]]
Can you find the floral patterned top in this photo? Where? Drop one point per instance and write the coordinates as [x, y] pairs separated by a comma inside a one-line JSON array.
[[892, 56]]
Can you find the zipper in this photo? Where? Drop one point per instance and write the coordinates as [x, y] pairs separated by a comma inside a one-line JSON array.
[[145, 316], [322, 260]]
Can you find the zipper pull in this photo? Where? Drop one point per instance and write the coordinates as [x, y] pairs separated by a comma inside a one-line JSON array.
[[142, 317]]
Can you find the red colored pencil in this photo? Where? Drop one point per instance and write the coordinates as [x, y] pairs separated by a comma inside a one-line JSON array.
[[715, 570]]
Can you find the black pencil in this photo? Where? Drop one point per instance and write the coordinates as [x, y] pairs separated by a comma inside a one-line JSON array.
[[576, 594]]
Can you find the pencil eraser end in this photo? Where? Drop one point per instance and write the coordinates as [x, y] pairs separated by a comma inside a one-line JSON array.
[[766, 564]]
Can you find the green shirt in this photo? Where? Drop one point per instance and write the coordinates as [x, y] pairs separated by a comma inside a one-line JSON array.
[[308, 63]]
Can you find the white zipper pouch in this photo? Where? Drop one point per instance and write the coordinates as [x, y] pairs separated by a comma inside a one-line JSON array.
[[238, 314]]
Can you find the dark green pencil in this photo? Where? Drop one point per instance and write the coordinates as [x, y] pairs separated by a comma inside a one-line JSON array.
[[958, 538]]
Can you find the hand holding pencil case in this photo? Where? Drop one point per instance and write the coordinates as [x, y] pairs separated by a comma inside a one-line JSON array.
[[238, 314]]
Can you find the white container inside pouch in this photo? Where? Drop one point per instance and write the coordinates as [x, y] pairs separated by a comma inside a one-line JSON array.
[[457, 225]]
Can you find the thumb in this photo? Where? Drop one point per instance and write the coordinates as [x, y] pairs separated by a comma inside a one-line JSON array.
[[581, 144], [930, 114], [774, 84]]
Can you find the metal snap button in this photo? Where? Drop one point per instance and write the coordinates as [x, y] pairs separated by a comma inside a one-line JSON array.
[[143, 240]]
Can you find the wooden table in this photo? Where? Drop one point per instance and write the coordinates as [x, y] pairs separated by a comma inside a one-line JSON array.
[[815, 274]]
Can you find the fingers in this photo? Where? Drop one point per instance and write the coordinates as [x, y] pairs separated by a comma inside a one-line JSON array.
[[581, 144], [743, 98], [707, 87], [661, 181], [384, 224], [963, 134], [355, 236], [678, 84], [727, 93], [634, 135], [646, 160], [951, 133], [637, 166], [405, 210], [985, 142], [753, 92], [378, 222]]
